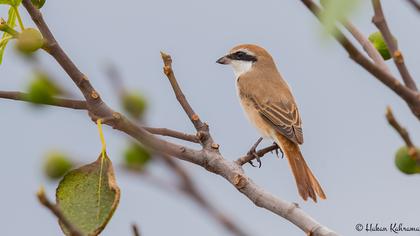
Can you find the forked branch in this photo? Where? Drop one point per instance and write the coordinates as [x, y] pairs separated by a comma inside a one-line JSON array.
[[412, 151]]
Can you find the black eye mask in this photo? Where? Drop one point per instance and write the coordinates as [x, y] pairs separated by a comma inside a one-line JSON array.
[[242, 56]]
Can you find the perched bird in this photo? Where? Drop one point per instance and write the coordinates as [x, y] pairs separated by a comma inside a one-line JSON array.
[[269, 104]]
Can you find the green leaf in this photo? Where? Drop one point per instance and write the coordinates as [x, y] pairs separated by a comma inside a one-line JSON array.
[[379, 43], [15, 3], [136, 157], [56, 165], [134, 104], [11, 21], [88, 196], [38, 3], [8, 2], [42, 89], [336, 10]]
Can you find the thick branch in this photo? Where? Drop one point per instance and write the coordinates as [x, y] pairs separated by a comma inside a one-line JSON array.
[[60, 102], [412, 151], [211, 160], [57, 212], [380, 22], [412, 98]]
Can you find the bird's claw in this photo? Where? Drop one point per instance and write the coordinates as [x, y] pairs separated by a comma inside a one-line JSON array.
[[277, 150], [253, 152]]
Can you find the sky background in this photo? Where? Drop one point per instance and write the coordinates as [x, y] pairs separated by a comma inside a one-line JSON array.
[[348, 143]]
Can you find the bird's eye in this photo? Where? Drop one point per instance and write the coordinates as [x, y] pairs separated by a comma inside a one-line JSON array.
[[240, 55]]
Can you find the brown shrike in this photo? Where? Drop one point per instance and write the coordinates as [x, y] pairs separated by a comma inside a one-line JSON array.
[[269, 104]]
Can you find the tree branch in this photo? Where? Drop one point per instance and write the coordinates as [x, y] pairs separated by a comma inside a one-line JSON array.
[[136, 231], [81, 105], [412, 98], [60, 102], [415, 4], [202, 128], [57, 212], [412, 150], [380, 22], [367, 46], [209, 157]]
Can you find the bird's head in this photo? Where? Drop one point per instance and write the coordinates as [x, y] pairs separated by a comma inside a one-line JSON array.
[[245, 57]]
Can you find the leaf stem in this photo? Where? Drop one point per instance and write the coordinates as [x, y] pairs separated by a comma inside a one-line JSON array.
[[7, 29], [103, 155], [101, 135], [22, 27]]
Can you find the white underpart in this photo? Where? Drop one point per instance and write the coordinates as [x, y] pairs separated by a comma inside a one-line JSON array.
[[241, 67]]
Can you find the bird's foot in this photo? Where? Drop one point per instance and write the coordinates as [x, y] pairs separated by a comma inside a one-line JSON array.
[[277, 150], [254, 153]]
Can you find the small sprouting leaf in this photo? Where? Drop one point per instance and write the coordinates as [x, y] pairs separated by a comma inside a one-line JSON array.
[[8, 2], [88, 196], [379, 43], [336, 10], [11, 22], [42, 89], [56, 165], [15, 3], [38, 3], [136, 157], [134, 104]]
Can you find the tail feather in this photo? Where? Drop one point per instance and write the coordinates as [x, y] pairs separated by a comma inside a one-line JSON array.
[[307, 184]]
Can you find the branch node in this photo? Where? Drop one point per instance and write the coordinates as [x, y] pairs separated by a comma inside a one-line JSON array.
[[239, 181], [215, 146], [94, 94], [398, 57], [116, 115], [195, 117]]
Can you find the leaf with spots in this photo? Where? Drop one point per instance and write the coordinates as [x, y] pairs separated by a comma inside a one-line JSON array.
[[89, 195]]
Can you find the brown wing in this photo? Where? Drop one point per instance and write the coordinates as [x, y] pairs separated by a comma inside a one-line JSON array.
[[284, 117]]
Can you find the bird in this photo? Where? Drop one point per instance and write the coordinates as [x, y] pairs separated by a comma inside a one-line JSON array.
[[269, 104]]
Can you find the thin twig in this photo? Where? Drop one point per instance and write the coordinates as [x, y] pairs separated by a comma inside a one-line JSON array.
[[81, 105], [412, 151], [412, 98], [173, 134], [415, 4], [60, 102], [380, 22], [57, 212], [135, 229], [249, 157], [201, 127], [367, 46]]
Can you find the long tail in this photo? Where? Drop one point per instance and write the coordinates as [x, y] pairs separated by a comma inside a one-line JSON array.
[[307, 184]]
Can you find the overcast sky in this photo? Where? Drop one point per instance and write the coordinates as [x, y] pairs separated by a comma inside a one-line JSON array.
[[348, 143]]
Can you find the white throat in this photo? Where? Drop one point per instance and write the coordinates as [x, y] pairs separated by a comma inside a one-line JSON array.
[[241, 67]]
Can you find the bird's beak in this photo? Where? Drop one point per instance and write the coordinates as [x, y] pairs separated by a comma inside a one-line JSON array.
[[223, 60]]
